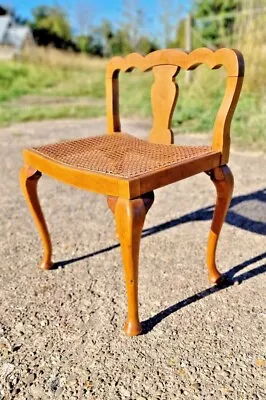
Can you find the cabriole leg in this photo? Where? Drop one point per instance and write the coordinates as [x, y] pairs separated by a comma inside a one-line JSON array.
[[223, 180], [130, 216], [29, 178]]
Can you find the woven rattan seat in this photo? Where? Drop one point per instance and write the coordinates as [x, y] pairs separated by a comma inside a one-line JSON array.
[[120, 154], [127, 170]]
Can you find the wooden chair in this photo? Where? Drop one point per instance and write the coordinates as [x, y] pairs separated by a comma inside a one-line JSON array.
[[127, 169]]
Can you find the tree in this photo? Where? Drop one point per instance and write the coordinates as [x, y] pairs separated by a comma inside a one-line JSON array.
[[53, 20], [50, 26], [84, 14], [170, 17], [90, 44], [216, 30], [180, 40], [146, 45], [120, 43], [133, 21], [106, 34]]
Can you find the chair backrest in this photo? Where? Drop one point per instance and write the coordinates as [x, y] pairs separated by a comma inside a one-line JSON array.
[[165, 65]]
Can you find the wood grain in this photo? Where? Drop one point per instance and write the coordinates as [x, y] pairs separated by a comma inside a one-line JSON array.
[[130, 216], [120, 187], [231, 59], [130, 199], [223, 180], [164, 93], [29, 178]]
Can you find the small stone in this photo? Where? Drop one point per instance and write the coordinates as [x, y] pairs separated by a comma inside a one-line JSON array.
[[71, 381], [88, 384], [59, 391], [196, 385], [37, 392], [181, 371], [54, 385], [16, 347], [6, 370], [124, 392], [225, 373], [220, 377], [16, 391], [15, 381], [19, 327], [227, 389], [260, 362], [29, 378], [5, 344]]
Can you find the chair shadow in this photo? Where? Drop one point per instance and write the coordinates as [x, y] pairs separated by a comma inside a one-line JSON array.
[[247, 223], [229, 280], [233, 218]]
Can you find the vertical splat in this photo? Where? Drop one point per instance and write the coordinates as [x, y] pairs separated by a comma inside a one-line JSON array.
[[164, 94]]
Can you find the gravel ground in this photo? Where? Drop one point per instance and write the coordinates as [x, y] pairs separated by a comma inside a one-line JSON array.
[[61, 331]]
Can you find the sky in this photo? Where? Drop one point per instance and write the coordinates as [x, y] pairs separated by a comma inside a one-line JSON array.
[[98, 10]]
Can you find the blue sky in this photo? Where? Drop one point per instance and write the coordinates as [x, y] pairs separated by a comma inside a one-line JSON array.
[[97, 10]]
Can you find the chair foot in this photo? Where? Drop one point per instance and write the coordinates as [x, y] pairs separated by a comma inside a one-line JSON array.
[[223, 180], [29, 178], [130, 216], [132, 329], [45, 265]]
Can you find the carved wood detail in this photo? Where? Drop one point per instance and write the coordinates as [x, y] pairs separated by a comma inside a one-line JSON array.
[[223, 180], [29, 177], [232, 60], [164, 93]]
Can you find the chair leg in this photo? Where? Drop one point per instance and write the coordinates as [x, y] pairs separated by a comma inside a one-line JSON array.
[[111, 202], [130, 216], [223, 180], [29, 178]]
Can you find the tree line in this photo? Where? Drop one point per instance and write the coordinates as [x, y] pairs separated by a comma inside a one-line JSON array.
[[51, 27]]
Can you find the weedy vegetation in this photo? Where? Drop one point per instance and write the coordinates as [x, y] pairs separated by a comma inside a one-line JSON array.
[[55, 84]]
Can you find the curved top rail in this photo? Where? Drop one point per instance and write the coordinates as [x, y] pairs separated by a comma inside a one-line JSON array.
[[166, 64], [231, 59]]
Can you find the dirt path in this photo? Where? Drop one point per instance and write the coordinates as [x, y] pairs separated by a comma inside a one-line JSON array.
[[55, 101], [60, 331]]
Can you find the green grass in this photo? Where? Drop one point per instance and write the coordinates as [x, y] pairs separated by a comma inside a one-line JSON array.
[[195, 111], [198, 104], [21, 79], [36, 113], [18, 79]]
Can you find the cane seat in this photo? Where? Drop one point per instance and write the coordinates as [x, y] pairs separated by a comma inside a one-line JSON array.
[[123, 156]]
